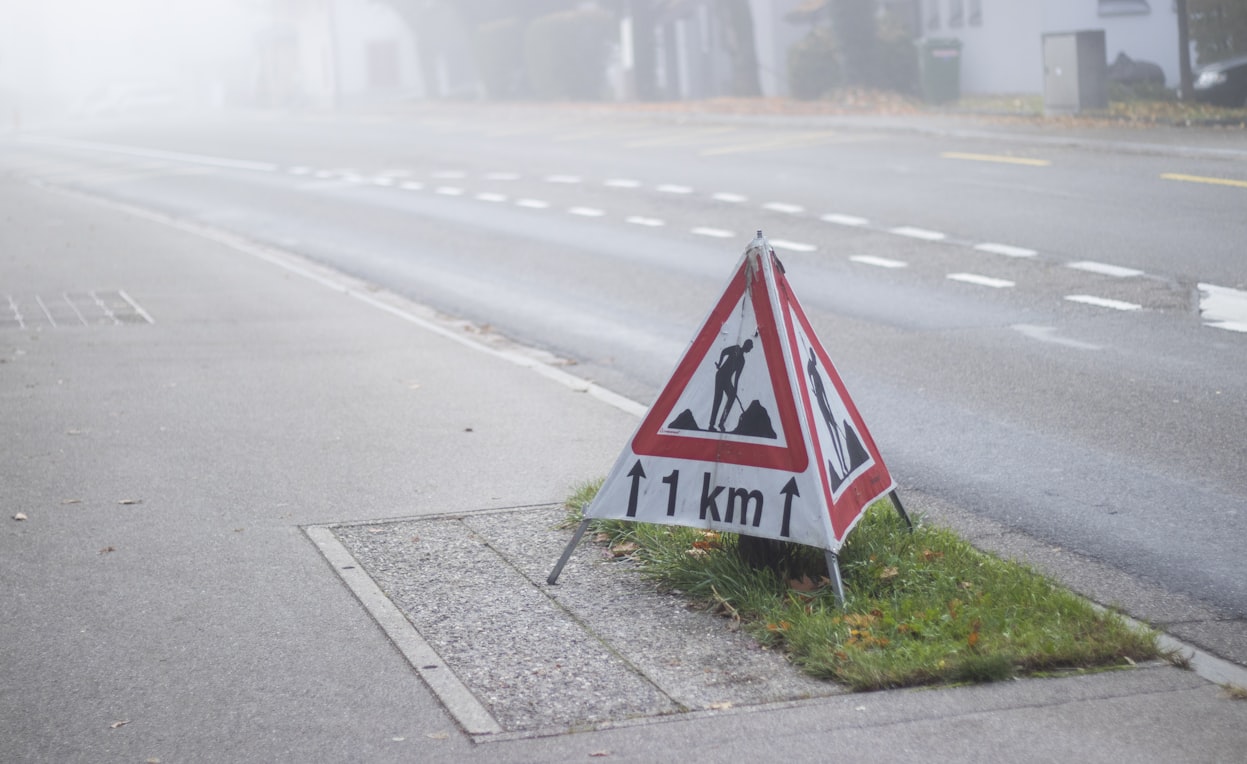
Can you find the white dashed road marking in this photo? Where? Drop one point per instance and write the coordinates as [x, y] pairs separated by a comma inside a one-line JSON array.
[[987, 281], [1102, 302], [1223, 307], [714, 233], [917, 233], [784, 207], [412, 185], [638, 220], [502, 176], [1104, 269], [587, 212], [449, 191], [489, 197], [570, 179], [450, 175], [623, 183], [792, 246], [671, 188], [839, 219], [532, 204], [730, 198], [1005, 249], [1048, 334], [878, 262]]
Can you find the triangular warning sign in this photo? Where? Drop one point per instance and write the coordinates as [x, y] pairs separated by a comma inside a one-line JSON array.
[[711, 409], [755, 432]]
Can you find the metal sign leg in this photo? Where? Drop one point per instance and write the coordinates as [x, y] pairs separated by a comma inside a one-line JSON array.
[[900, 509], [567, 553], [833, 567]]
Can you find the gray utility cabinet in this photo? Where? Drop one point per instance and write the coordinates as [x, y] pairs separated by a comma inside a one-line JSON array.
[[1075, 69]]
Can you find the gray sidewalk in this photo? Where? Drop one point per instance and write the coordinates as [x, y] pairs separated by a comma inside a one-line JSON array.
[[163, 600]]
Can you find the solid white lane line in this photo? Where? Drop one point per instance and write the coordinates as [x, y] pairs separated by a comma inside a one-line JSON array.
[[987, 281], [173, 156], [1223, 307], [569, 179], [879, 262], [714, 233], [671, 188], [784, 207], [491, 197], [623, 183], [792, 246], [587, 212], [730, 198], [1104, 269], [1005, 249], [1102, 302], [638, 220], [532, 204], [918, 233], [449, 190], [838, 219]]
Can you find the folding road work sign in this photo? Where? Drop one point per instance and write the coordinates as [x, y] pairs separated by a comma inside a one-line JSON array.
[[754, 433]]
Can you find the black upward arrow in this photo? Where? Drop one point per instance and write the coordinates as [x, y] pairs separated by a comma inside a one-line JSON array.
[[636, 473], [789, 490]]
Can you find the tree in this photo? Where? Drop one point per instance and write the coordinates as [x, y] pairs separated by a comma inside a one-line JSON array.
[[853, 27], [1218, 28], [739, 41]]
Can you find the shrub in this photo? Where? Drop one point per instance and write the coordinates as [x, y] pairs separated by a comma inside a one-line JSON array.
[[813, 65], [499, 50], [566, 54]]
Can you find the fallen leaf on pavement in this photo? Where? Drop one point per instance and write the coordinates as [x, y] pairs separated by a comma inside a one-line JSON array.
[[108, 549], [67, 502], [438, 735], [722, 705], [119, 724], [128, 502]]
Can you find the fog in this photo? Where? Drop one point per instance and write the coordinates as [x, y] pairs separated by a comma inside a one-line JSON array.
[[83, 58]]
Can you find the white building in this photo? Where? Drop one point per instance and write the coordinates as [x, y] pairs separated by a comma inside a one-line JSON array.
[[326, 53], [1002, 39]]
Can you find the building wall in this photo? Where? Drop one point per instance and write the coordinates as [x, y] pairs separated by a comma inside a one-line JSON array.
[[1004, 53]]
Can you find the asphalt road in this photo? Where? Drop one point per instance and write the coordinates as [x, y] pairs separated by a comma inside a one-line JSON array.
[[1021, 321]]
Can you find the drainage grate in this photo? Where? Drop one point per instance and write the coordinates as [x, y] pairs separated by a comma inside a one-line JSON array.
[[69, 309]]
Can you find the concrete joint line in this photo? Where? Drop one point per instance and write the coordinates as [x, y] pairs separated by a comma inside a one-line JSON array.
[[471, 715], [545, 590]]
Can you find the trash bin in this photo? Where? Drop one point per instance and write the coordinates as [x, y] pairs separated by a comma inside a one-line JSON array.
[[941, 69]]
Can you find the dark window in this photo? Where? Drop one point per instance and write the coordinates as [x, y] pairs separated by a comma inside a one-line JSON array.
[[1124, 7]]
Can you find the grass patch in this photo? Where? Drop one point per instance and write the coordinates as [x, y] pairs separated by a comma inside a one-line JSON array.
[[921, 608]]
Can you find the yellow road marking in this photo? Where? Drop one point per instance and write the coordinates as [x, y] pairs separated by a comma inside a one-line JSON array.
[[995, 158], [1203, 179], [679, 139], [776, 144]]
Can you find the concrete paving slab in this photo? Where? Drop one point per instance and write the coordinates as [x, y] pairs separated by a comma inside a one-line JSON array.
[[603, 646]]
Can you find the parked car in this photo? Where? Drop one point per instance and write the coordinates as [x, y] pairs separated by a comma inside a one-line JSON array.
[[1223, 83]]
